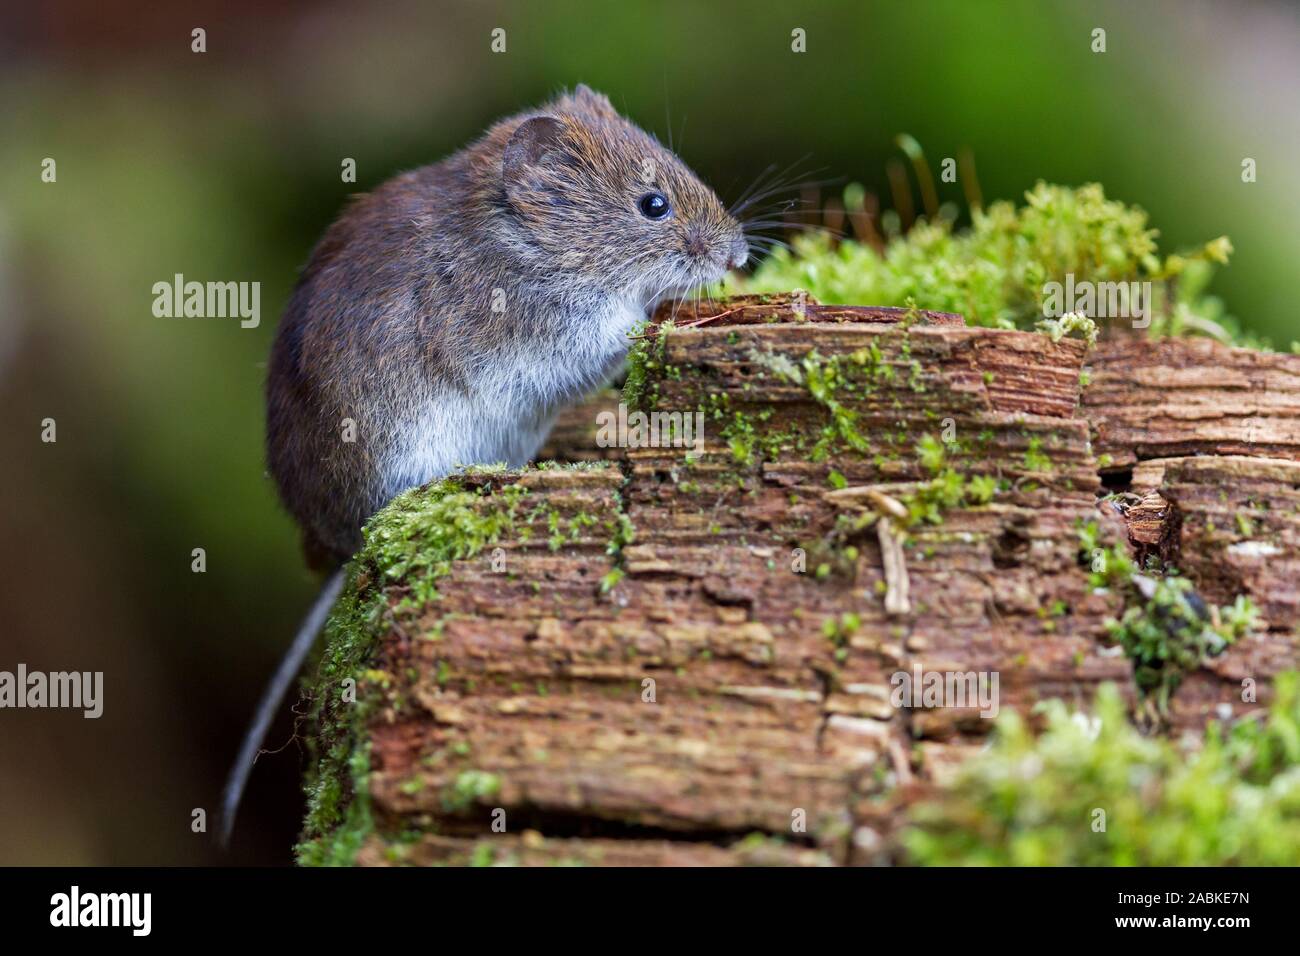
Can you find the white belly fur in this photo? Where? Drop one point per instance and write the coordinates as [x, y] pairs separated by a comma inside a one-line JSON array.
[[506, 418]]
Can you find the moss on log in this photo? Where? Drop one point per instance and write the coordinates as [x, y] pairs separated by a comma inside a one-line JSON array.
[[659, 655]]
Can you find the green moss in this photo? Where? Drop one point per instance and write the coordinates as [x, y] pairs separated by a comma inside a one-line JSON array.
[[1166, 629], [646, 365], [1110, 565], [829, 380], [414, 540], [994, 272], [560, 530], [1172, 633], [566, 466], [948, 489], [740, 437], [1033, 801], [469, 788], [931, 453], [1035, 460], [418, 535], [839, 630], [623, 531]]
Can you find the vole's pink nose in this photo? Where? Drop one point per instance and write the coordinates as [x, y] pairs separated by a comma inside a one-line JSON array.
[[739, 253]]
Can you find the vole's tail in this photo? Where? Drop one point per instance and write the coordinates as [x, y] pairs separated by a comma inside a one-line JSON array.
[[271, 697]]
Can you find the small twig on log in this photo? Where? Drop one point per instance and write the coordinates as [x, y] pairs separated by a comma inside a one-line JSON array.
[[897, 601], [694, 322]]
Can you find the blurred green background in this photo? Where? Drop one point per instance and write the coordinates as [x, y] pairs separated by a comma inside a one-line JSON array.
[[225, 166]]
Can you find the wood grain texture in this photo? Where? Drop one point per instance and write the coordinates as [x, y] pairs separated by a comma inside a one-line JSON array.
[[1168, 397]]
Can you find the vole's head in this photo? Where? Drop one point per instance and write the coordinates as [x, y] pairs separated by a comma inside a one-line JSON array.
[[597, 199]]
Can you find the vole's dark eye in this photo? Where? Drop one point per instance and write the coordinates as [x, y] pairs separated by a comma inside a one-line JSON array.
[[654, 206]]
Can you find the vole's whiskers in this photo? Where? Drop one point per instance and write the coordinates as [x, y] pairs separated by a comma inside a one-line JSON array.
[[804, 187], [766, 184], [766, 244]]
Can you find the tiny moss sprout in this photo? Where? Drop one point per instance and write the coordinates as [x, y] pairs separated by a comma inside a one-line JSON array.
[[1072, 323]]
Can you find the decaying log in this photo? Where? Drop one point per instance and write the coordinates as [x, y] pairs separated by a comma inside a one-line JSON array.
[[717, 689]]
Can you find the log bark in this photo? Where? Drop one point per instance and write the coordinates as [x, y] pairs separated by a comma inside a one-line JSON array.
[[717, 690], [1161, 398]]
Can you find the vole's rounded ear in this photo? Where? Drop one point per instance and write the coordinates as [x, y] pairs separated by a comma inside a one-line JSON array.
[[529, 145]]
